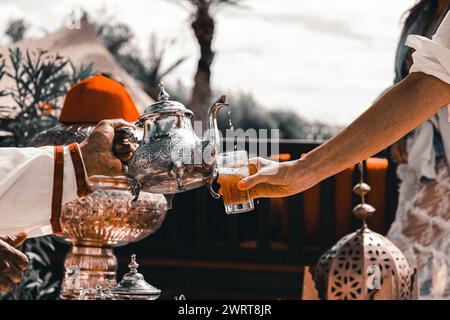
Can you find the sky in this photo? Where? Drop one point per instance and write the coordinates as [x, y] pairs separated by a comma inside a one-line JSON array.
[[326, 60]]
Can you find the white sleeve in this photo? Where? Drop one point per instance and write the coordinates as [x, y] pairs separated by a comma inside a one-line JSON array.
[[26, 184], [432, 56]]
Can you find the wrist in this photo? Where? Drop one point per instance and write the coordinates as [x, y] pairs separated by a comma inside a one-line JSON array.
[[308, 169]]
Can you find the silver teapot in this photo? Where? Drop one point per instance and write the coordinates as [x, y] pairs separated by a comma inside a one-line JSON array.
[[170, 157]]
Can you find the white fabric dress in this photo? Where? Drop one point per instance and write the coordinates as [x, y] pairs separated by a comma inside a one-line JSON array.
[[422, 225], [26, 183]]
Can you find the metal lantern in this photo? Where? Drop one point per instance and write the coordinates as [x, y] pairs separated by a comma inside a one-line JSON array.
[[363, 265], [104, 219], [132, 287]]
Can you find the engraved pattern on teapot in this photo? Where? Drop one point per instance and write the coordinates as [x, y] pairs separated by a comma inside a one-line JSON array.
[[170, 157]]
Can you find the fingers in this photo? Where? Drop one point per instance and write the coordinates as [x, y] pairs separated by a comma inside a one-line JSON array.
[[116, 123], [6, 285], [124, 150], [124, 157], [9, 277], [252, 168], [261, 171], [12, 263], [251, 181], [122, 133], [266, 190], [16, 240], [124, 147], [12, 274], [13, 256], [20, 260], [260, 191]]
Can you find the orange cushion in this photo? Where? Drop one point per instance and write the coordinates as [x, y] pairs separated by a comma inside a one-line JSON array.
[[96, 99]]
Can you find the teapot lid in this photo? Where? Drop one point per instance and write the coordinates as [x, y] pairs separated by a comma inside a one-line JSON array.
[[164, 105], [133, 283]]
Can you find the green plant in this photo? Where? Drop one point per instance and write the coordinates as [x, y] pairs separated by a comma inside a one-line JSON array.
[[39, 83], [149, 71], [203, 24], [37, 283]]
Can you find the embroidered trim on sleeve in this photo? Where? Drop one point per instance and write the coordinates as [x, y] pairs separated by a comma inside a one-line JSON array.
[[83, 187], [58, 177]]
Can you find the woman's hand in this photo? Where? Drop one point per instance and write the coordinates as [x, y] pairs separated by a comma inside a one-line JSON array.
[[274, 179], [103, 155], [12, 262]]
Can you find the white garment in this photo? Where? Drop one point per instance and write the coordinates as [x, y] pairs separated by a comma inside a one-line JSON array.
[[26, 185], [432, 56], [422, 225], [422, 228], [421, 154]]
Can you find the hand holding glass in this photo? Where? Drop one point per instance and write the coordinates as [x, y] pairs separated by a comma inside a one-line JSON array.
[[233, 166]]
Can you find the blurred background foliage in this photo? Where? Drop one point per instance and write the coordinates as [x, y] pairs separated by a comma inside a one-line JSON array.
[[148, 69]]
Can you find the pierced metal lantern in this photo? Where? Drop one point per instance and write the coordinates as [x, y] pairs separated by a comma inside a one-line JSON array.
[[106, 218], [363, 265]]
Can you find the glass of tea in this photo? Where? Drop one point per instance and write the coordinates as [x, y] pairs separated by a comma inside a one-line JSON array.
[[233, 166]]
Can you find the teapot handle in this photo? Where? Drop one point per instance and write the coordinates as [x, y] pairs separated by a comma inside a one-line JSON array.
[[213, 193]]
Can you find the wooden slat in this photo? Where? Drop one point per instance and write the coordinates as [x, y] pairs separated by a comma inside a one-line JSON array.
[[171, 221], [201, 198], [344, 202], [356, 222], [263, 215], [232, 232], [392, 184], [327, 206], [296, 227], [311, 216]]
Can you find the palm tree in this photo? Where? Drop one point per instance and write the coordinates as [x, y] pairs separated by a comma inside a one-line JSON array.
[[16, 30], [150, 71], [203, 25]]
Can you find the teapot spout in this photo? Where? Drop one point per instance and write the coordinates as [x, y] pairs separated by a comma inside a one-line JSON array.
[[212, 112], [212, 138]]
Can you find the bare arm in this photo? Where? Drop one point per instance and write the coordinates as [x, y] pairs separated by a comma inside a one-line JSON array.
[[402, 108]]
